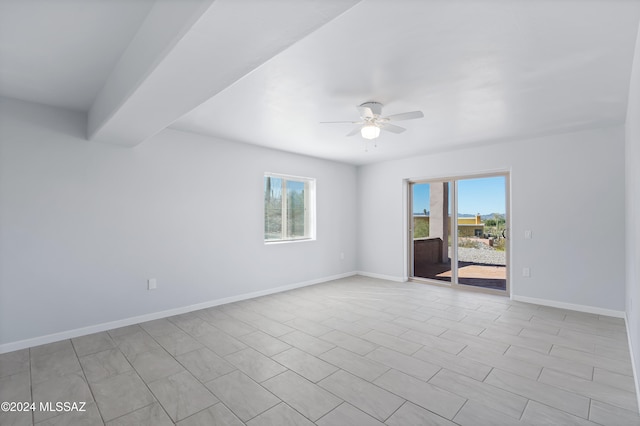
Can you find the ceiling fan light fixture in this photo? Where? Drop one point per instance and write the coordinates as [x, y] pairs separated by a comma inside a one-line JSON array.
[[370, 131]]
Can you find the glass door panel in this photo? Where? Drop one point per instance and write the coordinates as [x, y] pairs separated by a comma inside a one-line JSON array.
[[470, 212], [431, 236], [481, 231]]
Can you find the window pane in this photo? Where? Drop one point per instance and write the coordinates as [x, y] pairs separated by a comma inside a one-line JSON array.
[[289, 208], [295, 209], [272, 208]]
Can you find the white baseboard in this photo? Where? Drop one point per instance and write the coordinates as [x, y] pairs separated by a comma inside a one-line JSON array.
[[77, 332], [569, 306], [636, 379], [382, 276]]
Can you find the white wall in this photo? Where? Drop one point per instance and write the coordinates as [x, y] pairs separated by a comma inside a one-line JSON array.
[[84, 225], [633, 213], [567, 188]]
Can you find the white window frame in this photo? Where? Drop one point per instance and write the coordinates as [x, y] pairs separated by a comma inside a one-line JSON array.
[[309, 208]]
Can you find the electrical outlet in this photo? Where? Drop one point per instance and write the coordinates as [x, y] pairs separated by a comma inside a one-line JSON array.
[[527, 235], [152, 284], [526, 271]]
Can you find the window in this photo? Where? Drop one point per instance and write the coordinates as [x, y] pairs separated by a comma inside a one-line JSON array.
[[289, 208]]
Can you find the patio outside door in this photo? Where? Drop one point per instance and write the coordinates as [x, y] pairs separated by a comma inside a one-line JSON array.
[[468, 248]]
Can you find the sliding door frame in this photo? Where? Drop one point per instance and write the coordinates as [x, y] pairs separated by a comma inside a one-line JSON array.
[[453, 180]]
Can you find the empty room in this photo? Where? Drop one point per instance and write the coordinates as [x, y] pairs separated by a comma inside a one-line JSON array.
[[319, 212]]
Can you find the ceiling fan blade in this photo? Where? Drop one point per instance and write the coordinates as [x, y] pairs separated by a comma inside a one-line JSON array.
[[392, 128], [355, 131], [365, 112], [405, 116]]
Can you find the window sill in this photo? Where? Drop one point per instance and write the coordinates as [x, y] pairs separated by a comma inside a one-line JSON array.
[[299, 240]]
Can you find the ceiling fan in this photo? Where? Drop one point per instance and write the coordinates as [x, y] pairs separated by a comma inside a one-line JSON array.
[[372, 121]]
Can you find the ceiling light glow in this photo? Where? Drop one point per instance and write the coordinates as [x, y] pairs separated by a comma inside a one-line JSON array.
[[370, 131]]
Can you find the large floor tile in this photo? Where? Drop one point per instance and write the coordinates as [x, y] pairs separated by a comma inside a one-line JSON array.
[[280, 415], [433, 398], [205, 365], [182, 395], [16, 387], [121, 394], [615, 380], [233, 326], [50, 348], [416, 325], [592, 359], [178, 342], [389, 327], [16, 418], [541, 392], [217, 415], [159, 327], [307, 343], [155, 364], [540, 414], [371, 399], [306, 397], [476, 414], [349, 342], [14, 362], [46, 366], [312, 328], [304, 364], [462, 327], [434, 342], [522, 341], [594, 390], [411, 414], [475, 341], [606, 414], [264, 343], [104, 364], [346, 326], [392, 342], [495, 360], [93, 343], [254, 364], [137, 342], [272, 327], [459, 364], [69, 388], [347, 414], [568, 341], [550, 361], [407, 364], [489, 396], [129, 329], [220, 342], [151, 415], [360, 366], [242, 395]]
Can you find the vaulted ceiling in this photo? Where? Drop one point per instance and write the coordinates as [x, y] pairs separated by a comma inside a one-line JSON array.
[[267, 72]]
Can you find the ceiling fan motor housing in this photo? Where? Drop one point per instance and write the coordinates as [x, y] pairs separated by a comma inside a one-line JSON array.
[[375, 107]]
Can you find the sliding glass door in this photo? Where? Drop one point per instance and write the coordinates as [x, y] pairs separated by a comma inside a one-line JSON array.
[[431, 239], [458, 231]]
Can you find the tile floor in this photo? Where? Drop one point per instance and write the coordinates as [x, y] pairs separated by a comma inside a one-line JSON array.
[[356, 351]]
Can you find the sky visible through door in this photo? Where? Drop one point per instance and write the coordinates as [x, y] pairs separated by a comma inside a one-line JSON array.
[[477, 195]]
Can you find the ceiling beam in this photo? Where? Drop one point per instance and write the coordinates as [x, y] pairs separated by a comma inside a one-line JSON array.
[[186, 52]]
